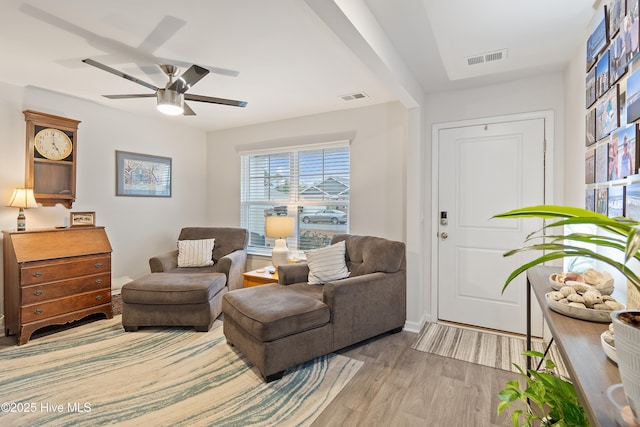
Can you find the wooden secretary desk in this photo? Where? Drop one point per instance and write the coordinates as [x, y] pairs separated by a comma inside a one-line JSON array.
[[55, 276]]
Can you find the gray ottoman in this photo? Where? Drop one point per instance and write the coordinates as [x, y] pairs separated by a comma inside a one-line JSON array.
[[173, 299]]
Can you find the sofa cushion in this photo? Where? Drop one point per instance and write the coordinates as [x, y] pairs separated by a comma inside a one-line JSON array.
[[273, 311], [327, 264], [195, 253], [173, 288]]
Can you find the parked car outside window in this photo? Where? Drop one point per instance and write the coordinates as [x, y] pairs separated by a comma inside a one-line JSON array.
[[326, 215]]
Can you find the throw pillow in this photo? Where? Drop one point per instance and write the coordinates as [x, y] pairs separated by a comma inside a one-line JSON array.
[[195, 253], [327, 264]]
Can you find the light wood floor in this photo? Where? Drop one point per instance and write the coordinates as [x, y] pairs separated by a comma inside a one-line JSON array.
[[399, 386]]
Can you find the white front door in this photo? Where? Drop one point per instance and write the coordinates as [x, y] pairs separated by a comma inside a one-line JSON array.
[[484, 170]]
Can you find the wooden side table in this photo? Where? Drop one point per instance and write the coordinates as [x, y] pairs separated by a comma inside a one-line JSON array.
[[259, 277]]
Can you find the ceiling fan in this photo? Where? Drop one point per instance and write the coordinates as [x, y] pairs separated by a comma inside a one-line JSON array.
[[170, 98]]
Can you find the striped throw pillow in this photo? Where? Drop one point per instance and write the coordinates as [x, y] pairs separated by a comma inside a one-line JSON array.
[[195, 253], [327, 264]]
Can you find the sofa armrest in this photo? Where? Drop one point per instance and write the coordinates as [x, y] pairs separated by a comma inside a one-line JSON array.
[[365, 306], [164, 263], [233, 265], [289, 274]]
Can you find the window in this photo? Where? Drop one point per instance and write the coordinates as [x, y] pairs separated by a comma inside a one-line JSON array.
[[309, 184]]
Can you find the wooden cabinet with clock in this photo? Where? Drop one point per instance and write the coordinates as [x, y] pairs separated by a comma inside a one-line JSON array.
[[51, 158]]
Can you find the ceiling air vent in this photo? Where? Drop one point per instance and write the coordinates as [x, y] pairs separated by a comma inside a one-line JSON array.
[[498, 55], [353, 96]]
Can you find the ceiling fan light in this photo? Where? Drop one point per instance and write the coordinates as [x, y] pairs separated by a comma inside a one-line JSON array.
[[170, 102]]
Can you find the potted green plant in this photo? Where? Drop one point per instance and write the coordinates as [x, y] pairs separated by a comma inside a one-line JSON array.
[[546, 398], [623, 236]]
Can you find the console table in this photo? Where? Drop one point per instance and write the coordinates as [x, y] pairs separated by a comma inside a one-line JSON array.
[[579, 344]]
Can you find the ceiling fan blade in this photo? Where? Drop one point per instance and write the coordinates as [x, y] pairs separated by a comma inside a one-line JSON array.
[[133, 95], [213, 100], [187, 110], [119, 73], [188, 79]]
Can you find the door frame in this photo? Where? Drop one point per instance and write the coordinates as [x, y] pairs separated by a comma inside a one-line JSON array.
[[549, 126]]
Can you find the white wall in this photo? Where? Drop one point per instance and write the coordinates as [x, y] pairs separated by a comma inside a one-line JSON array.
[[378, 155], [138, 227], [539, 93]]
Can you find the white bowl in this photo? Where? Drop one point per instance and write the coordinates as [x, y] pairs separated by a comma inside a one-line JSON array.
[[609, 350]]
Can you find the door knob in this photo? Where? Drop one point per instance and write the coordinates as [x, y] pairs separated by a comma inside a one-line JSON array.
[[444, 235]]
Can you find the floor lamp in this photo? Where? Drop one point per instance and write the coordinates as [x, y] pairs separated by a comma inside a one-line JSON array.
[[279, 227]]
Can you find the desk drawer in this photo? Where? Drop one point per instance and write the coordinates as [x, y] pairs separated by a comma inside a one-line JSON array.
[[50, 271], [55, 307], [48, 291]]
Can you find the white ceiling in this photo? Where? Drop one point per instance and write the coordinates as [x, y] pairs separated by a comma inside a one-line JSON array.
[[289, 58]]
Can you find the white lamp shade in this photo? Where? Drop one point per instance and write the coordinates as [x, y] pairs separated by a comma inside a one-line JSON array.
[[279, 226], [23, 198]]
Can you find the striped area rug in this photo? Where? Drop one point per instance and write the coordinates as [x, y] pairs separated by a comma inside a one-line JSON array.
[[97, 374], [483, 348]]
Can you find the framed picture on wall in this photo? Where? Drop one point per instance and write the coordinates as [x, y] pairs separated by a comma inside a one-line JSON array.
[[602, 75], [599, 37], [607, 113], [617, 59], [602, 163], [615, 201], [590, 130], [590, 88], [626, 144], [632, 201], [601, 200], [142, 175], [630, 27], [590, 166], [633, 97], [616, 11], [590, 199]]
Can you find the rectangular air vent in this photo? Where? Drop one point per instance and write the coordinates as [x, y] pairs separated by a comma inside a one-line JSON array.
[[353, 96], [498, 55]]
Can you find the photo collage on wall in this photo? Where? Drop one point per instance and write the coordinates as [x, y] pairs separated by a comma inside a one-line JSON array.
[[612, 89]]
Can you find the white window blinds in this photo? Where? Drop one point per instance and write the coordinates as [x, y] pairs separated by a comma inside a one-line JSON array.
[[310, 184]]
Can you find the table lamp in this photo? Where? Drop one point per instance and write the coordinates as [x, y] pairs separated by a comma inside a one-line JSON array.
[[22, 198], [279, 227]]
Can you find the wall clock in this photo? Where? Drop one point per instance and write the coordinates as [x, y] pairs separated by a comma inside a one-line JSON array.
[[51, 158]]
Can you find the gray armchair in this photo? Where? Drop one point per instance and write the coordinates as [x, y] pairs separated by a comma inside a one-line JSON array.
[[229, 254]]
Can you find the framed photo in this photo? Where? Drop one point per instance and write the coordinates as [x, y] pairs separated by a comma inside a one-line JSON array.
[[616, 12], [625, 141], [608, 113], [590, 199], [630, 28], [590, 130], [602, 194], [598, 39], [617, 59], [632, 201], [602, 163], [82, 219], [633, 97], [142, 175], [616, 201], [590, 166], [590, 88], [602, 75]]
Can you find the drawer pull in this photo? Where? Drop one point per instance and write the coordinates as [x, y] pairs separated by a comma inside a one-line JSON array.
[[37, 311], [99, 297], [38, 293], [37, 274], [97, 265], [99, 281]]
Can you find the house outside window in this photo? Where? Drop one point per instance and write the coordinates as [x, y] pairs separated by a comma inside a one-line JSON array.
[[310, 184]]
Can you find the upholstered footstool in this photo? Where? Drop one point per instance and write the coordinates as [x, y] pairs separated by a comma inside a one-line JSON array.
[[276, 327], [173, 299]]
